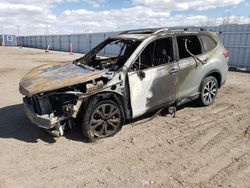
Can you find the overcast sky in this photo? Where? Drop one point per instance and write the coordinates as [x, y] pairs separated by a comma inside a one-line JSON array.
[[32, 17]]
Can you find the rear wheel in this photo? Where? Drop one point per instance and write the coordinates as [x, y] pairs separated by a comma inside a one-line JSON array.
[[208, 91], [101, 119]]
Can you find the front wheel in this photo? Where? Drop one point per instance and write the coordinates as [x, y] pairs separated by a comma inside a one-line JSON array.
[[101, 120], [209, 89]]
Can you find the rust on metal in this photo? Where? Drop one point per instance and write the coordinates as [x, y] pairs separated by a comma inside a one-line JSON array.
[[54, 76]]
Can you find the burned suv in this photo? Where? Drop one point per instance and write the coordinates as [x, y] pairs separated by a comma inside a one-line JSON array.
[[124, 77]]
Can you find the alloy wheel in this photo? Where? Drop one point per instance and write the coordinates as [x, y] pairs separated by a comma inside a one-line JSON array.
[[210, 91], [105, 120]]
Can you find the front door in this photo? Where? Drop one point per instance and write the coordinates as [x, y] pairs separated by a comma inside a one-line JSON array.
[[152, 79]]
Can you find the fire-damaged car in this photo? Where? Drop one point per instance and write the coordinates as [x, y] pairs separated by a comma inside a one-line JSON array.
[[124, 77]]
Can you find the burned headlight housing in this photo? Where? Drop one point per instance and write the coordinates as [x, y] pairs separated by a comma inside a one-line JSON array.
[[62, 103]]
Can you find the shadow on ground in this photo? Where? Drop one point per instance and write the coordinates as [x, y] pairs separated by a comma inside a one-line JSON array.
[[15, 124]]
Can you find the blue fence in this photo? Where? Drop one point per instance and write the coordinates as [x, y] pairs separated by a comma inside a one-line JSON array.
[[236, 38], [8, 40], [81, 43]]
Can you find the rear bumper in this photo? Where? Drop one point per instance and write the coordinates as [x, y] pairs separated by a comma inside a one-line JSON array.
[[43, 121]]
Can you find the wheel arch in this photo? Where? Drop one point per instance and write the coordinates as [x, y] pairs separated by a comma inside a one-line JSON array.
[[215, 73], [106, 95]]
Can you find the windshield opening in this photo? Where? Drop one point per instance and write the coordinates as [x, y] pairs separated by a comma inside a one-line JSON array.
[[110, 54]]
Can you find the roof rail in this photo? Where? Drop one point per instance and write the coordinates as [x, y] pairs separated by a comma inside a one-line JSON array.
[[180, 29], [194, 29], [141, 31], [160, 30]]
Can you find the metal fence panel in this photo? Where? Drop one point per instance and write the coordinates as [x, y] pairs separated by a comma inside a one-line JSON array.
[[56, 42], [84, 46], [43, 42], [65, 43], [235, 38], [73, 43]]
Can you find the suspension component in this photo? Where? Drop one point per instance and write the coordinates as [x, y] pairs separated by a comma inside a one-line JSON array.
[[172, 111]]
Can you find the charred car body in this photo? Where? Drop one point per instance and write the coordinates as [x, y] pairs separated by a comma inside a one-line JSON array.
[[147, 70]]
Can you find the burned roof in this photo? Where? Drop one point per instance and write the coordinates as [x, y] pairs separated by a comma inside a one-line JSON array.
[[131, 36]]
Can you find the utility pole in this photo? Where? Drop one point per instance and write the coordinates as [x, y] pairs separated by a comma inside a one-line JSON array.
[[47, 29], [17, 27]]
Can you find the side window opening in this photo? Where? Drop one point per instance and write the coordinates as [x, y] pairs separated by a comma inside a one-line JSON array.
[[163, 52], [193, 45], [156, 53], [208, 43], [147, 56]]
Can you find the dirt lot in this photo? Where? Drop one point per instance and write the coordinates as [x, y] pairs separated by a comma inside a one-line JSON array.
[[200, 147]]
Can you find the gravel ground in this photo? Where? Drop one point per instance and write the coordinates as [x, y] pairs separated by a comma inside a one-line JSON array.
[[200, 147]]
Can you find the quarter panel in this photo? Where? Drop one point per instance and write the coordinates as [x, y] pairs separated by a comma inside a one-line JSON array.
[[190, 76]]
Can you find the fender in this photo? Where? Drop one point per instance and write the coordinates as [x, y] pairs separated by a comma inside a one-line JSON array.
[[116, 97], [216, 73]]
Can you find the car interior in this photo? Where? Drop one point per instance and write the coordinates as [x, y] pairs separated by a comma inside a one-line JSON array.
[[156, 53]]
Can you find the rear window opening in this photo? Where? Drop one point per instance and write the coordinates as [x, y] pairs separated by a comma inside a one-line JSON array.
[[193, 45], [208, 43]]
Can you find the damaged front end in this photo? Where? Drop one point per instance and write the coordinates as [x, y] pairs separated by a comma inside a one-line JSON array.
[[57, 110], [53, 111], [54, 93]]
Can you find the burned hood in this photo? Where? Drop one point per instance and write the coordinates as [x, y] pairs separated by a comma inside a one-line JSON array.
[[55, 76]]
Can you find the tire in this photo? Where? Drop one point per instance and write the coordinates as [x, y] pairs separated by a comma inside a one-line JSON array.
[[208, 92], [101, 119]]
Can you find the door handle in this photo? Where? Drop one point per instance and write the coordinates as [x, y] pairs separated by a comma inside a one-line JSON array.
[[172, 70]]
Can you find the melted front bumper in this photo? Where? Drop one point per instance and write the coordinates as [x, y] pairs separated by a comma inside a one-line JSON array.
[[43, 121]]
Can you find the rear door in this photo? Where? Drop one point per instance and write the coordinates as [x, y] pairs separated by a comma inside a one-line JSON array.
[[152, 79], [189, 70]]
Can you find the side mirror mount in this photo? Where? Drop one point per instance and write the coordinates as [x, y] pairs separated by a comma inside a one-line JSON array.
[[141, 74]]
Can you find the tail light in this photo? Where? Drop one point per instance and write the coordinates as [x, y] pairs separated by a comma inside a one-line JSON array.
[[226, 53]]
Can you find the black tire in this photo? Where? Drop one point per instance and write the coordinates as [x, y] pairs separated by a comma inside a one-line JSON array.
[[101, 119], [208, 91]]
